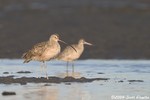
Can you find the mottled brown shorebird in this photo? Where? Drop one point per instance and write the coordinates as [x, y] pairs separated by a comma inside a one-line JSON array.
[[69, 54], [44, 51]]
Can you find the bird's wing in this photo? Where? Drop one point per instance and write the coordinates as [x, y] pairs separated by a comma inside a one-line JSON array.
[[67, 52], [39, 48]]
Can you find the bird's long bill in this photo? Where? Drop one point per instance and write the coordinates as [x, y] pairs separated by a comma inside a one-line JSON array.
[[67, 44], [62, 42], [88, 43]]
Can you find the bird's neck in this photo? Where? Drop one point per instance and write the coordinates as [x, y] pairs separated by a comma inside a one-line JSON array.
[[81, 46], [52, 42]]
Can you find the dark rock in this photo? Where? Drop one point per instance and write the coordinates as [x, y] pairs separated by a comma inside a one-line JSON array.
[[47, 85], [68, 83], [11, 76], [100, 73], [68, 79], [121, 81], [24, 72], [25, 80], [135, 81], [5, 72], [23, 83], [6, 93], [82, 78]]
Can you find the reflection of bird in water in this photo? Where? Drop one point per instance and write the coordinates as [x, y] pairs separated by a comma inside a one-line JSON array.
[[69, 54], [44, 51], [49, 93], [75, 74]]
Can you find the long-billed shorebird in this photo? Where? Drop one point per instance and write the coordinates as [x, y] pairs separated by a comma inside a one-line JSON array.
[[44, 51], [69, 54]]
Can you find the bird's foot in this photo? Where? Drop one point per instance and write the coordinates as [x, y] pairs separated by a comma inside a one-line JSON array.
[[47, 77], [37, 76]]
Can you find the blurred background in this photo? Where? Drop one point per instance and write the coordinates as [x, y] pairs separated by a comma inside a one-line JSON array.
[[119, 29]]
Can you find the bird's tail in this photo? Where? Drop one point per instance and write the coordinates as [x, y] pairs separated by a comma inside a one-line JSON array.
[[27, 57], [27, 60]]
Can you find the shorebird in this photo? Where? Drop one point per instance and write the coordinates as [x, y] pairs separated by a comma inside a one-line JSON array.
[[69, 55], [44, 51]]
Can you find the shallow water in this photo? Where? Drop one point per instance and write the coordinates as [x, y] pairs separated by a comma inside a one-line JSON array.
[[116, 70]]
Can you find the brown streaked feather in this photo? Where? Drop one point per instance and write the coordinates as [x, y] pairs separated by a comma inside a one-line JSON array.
[[27, 57], [37, 50]]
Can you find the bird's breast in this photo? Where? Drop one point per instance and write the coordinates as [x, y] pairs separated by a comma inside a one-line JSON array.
[[51, 52], [70, 54]]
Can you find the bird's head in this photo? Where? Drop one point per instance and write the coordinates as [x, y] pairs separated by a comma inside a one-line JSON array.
[[82, 41], [54, 37]]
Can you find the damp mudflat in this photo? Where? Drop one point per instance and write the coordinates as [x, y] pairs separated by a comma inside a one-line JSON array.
[[93, 80]]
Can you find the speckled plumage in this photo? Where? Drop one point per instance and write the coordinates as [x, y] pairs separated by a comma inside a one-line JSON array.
[[43, 51]]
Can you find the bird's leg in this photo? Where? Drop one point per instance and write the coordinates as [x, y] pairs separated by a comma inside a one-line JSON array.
[[45, 70], [67, 68], [72, 68], [41, 68]]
